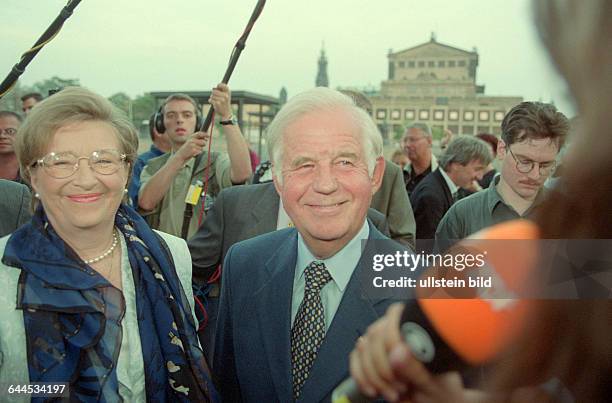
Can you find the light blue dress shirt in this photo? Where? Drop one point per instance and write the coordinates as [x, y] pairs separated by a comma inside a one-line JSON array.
[[340, 267]]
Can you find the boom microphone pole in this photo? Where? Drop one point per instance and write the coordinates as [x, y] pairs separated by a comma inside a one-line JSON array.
[[240, 44], [45, 38]]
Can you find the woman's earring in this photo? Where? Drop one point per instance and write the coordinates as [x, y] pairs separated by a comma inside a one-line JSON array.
[[37, 195], [125, 190]]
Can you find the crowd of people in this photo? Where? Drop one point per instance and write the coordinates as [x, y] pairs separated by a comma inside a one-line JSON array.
[[174, 275]]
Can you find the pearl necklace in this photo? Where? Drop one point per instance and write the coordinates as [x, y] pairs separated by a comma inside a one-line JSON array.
[[105, 254]]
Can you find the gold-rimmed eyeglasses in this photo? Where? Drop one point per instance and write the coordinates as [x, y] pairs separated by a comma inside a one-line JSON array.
[[524, 167], [64, 164]]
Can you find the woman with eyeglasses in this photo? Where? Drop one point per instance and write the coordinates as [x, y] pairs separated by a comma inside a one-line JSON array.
[[95, 304]]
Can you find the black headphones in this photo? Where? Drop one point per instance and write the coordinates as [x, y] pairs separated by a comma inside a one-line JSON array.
[[159, 119], [260, 171]]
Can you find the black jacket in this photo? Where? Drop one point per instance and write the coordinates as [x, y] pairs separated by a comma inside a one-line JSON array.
[[430, 200]]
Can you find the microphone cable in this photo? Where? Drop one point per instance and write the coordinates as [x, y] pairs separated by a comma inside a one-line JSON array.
[[49, 34]]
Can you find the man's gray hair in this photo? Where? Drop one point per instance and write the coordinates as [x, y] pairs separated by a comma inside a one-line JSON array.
[[464, 149], [322, 99], [422, 127]]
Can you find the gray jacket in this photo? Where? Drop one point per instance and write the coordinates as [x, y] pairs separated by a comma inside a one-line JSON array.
[[14, 206]]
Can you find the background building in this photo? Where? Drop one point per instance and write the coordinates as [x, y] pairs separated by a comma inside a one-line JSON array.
[[436, 84], [322, 80]]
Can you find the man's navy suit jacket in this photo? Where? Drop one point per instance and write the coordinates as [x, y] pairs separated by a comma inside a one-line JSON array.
[[253, 348]]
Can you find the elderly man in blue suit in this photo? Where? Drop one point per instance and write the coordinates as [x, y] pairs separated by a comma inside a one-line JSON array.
[[293, 302]]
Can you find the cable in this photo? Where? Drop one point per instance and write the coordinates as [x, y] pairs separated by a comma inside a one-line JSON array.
[[49, 34], [206, 175]]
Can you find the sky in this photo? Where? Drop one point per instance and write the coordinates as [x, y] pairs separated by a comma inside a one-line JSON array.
[[138, 46]]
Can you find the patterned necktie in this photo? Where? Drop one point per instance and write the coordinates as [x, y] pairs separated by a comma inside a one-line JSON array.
[[309, 326]]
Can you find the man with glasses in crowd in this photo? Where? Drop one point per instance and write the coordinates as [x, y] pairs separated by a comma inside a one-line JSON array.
[[532, 135], [416, 145], [9, 166]]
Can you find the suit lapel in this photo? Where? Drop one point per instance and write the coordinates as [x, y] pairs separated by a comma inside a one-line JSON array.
[[355, 313], [442, 183], [273, 301], [265, 212]]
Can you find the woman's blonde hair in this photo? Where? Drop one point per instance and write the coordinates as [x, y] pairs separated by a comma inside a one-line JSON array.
[[70, 105]]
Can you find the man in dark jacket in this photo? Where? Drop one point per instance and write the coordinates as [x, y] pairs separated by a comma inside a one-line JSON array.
[[463, 161]]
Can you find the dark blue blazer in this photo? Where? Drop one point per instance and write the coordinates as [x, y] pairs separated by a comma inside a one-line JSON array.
[[253, 349]]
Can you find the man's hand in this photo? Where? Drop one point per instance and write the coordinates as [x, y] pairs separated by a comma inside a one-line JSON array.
[[473, 187], [221, 99], [369, 361], [193, 146], [381, 364]]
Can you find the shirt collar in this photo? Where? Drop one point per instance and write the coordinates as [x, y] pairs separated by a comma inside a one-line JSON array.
[[540, 197], [449, 182], [156, 150], [433, 165], [341, 265], [494, 198], [188, 164], [434, 162]]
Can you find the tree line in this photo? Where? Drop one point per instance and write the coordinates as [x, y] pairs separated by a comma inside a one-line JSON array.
[[138, 109]]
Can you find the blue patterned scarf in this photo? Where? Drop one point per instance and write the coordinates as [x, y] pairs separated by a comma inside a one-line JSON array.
[[72, 316]]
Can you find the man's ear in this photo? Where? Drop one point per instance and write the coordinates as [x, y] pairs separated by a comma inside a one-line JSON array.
[[277, 185], [501, 149], [377, 175]]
